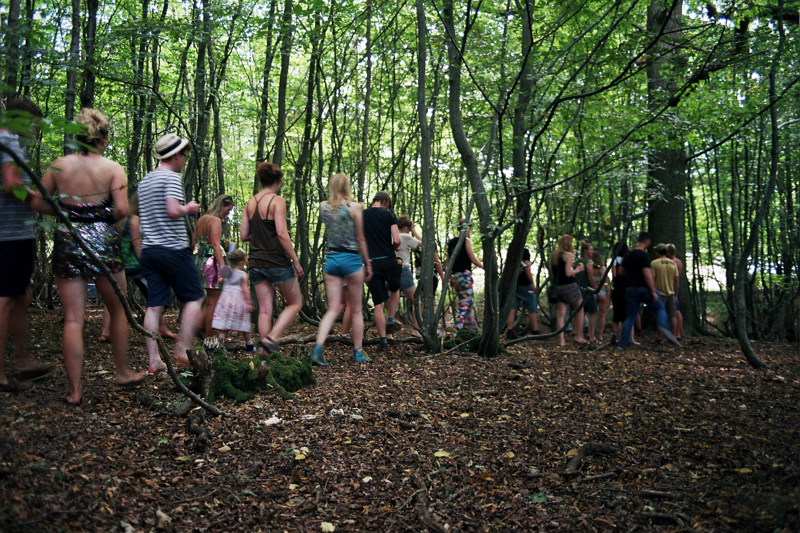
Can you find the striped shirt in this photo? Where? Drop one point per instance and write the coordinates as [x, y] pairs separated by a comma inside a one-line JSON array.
[[158, 229], [17, 222]]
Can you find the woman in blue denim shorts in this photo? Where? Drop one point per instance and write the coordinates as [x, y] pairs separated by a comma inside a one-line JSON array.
[[273, 261], [345, 258]]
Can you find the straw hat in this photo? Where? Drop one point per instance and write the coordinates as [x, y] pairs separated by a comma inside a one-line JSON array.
[[169, 145]]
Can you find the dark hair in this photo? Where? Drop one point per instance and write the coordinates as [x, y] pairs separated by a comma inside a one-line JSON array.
[[404, 221], [644, 237], [268, 173], [383, 197], [620, 248], [23, 104]]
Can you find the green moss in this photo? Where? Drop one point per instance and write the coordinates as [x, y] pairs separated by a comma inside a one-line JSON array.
[[468, 340], [239, 380]]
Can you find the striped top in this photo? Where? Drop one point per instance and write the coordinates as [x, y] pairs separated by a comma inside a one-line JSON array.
[[158, 229], [17, 222]]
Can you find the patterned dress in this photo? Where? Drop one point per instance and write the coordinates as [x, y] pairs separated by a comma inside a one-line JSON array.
[[94, 223], [231, 313]]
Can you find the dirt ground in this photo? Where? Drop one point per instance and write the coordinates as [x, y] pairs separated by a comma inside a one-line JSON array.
[[698, 441]]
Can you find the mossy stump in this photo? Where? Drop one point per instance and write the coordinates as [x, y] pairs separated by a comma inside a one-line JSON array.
[[217, 375]]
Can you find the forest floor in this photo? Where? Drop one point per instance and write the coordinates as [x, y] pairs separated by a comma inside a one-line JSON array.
[[701, 442]]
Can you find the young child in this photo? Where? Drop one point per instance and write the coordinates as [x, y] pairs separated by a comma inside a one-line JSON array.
[[234, 306]]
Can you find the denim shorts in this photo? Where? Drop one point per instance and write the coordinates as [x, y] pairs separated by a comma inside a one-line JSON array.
[[523, 295], [165, 268], [406, 279], [275, 275], [342, 264]]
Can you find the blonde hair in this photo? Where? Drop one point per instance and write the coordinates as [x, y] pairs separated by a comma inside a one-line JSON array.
[[564, 245], [223, 200], [236, 257], [671, 249], [597, 259], [339, 190], [96, 125]]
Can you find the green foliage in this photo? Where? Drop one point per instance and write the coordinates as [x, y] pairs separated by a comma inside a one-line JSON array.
[[468, 340]]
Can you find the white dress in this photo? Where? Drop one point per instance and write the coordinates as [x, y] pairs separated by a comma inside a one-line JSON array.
[[231, 313]]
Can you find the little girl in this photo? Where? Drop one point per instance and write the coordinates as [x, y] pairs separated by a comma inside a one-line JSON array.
[[234, 306]]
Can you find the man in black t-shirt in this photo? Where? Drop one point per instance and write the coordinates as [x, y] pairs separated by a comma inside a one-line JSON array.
[[642, 289], [383, 238]]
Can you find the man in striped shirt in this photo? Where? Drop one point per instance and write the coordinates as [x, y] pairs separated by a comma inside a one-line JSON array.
[[166, 258]]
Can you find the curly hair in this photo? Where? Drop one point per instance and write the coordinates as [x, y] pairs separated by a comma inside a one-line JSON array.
[[268, 173], [237, 256], [96, 129]]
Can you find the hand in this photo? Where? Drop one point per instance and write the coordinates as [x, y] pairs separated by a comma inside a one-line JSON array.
[[249, 308], [655, 296], [192, 208], [368, 274]]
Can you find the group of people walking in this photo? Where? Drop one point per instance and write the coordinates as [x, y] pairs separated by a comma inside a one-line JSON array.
[[146, 238], [637, 280]]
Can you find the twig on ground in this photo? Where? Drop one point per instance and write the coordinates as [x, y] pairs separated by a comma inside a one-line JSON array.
[[598, 476], [589, 449], [422, 507]]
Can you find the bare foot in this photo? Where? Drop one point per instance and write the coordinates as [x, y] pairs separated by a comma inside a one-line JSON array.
[[128, 378], [580, 340], [73, 399], [157, 367], [636, 343], [167, 334], [181, 362]]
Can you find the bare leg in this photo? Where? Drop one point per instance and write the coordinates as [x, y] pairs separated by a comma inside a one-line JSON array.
[[561, 314], [602, 304], [73, 301], [533, 321], [152, 317], [105, 334], [118, 329], [393, 304], [347, 319], [7, 303], [592, 325], [191, 313], [512, 317], [352, 295], [212, 297], [18, 323], [265, 296], [577, 324], [294, 301], [333, 288], [380, 320], [410, 295]]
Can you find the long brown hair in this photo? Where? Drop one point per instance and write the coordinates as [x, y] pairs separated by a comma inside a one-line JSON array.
[[564, 245]]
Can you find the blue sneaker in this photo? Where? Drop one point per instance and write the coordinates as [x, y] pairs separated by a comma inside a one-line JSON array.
[[317, 358], [360, 357]]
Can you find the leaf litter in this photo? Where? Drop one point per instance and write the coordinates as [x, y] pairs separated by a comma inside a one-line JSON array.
[[690, 440]]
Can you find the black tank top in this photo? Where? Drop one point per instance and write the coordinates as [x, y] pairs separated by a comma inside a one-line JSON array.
[[265, 247]]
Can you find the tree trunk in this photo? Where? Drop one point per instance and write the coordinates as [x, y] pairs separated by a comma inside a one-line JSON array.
[[12, 31], [286, 52], [264, 109], [139, 100], [742, 311], [72, 72], [491, 333], [90, 36], [523, 219], [362, 171]]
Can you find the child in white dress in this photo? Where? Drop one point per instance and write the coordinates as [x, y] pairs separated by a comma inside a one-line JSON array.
[[234, 306]]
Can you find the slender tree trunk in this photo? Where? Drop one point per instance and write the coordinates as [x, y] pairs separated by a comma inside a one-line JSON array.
[[286, 52], [90, 37], [749, 245], [139, 99], [522, 225], [362, 171], [72, 71], [261, 154], [12, 31], [429, 318], [197, 165], [491, 332]]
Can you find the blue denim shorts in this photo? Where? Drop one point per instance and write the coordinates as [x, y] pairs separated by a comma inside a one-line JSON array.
[[523, 295], [342, 264], [275, 275], [165, 269], [406, 279]]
